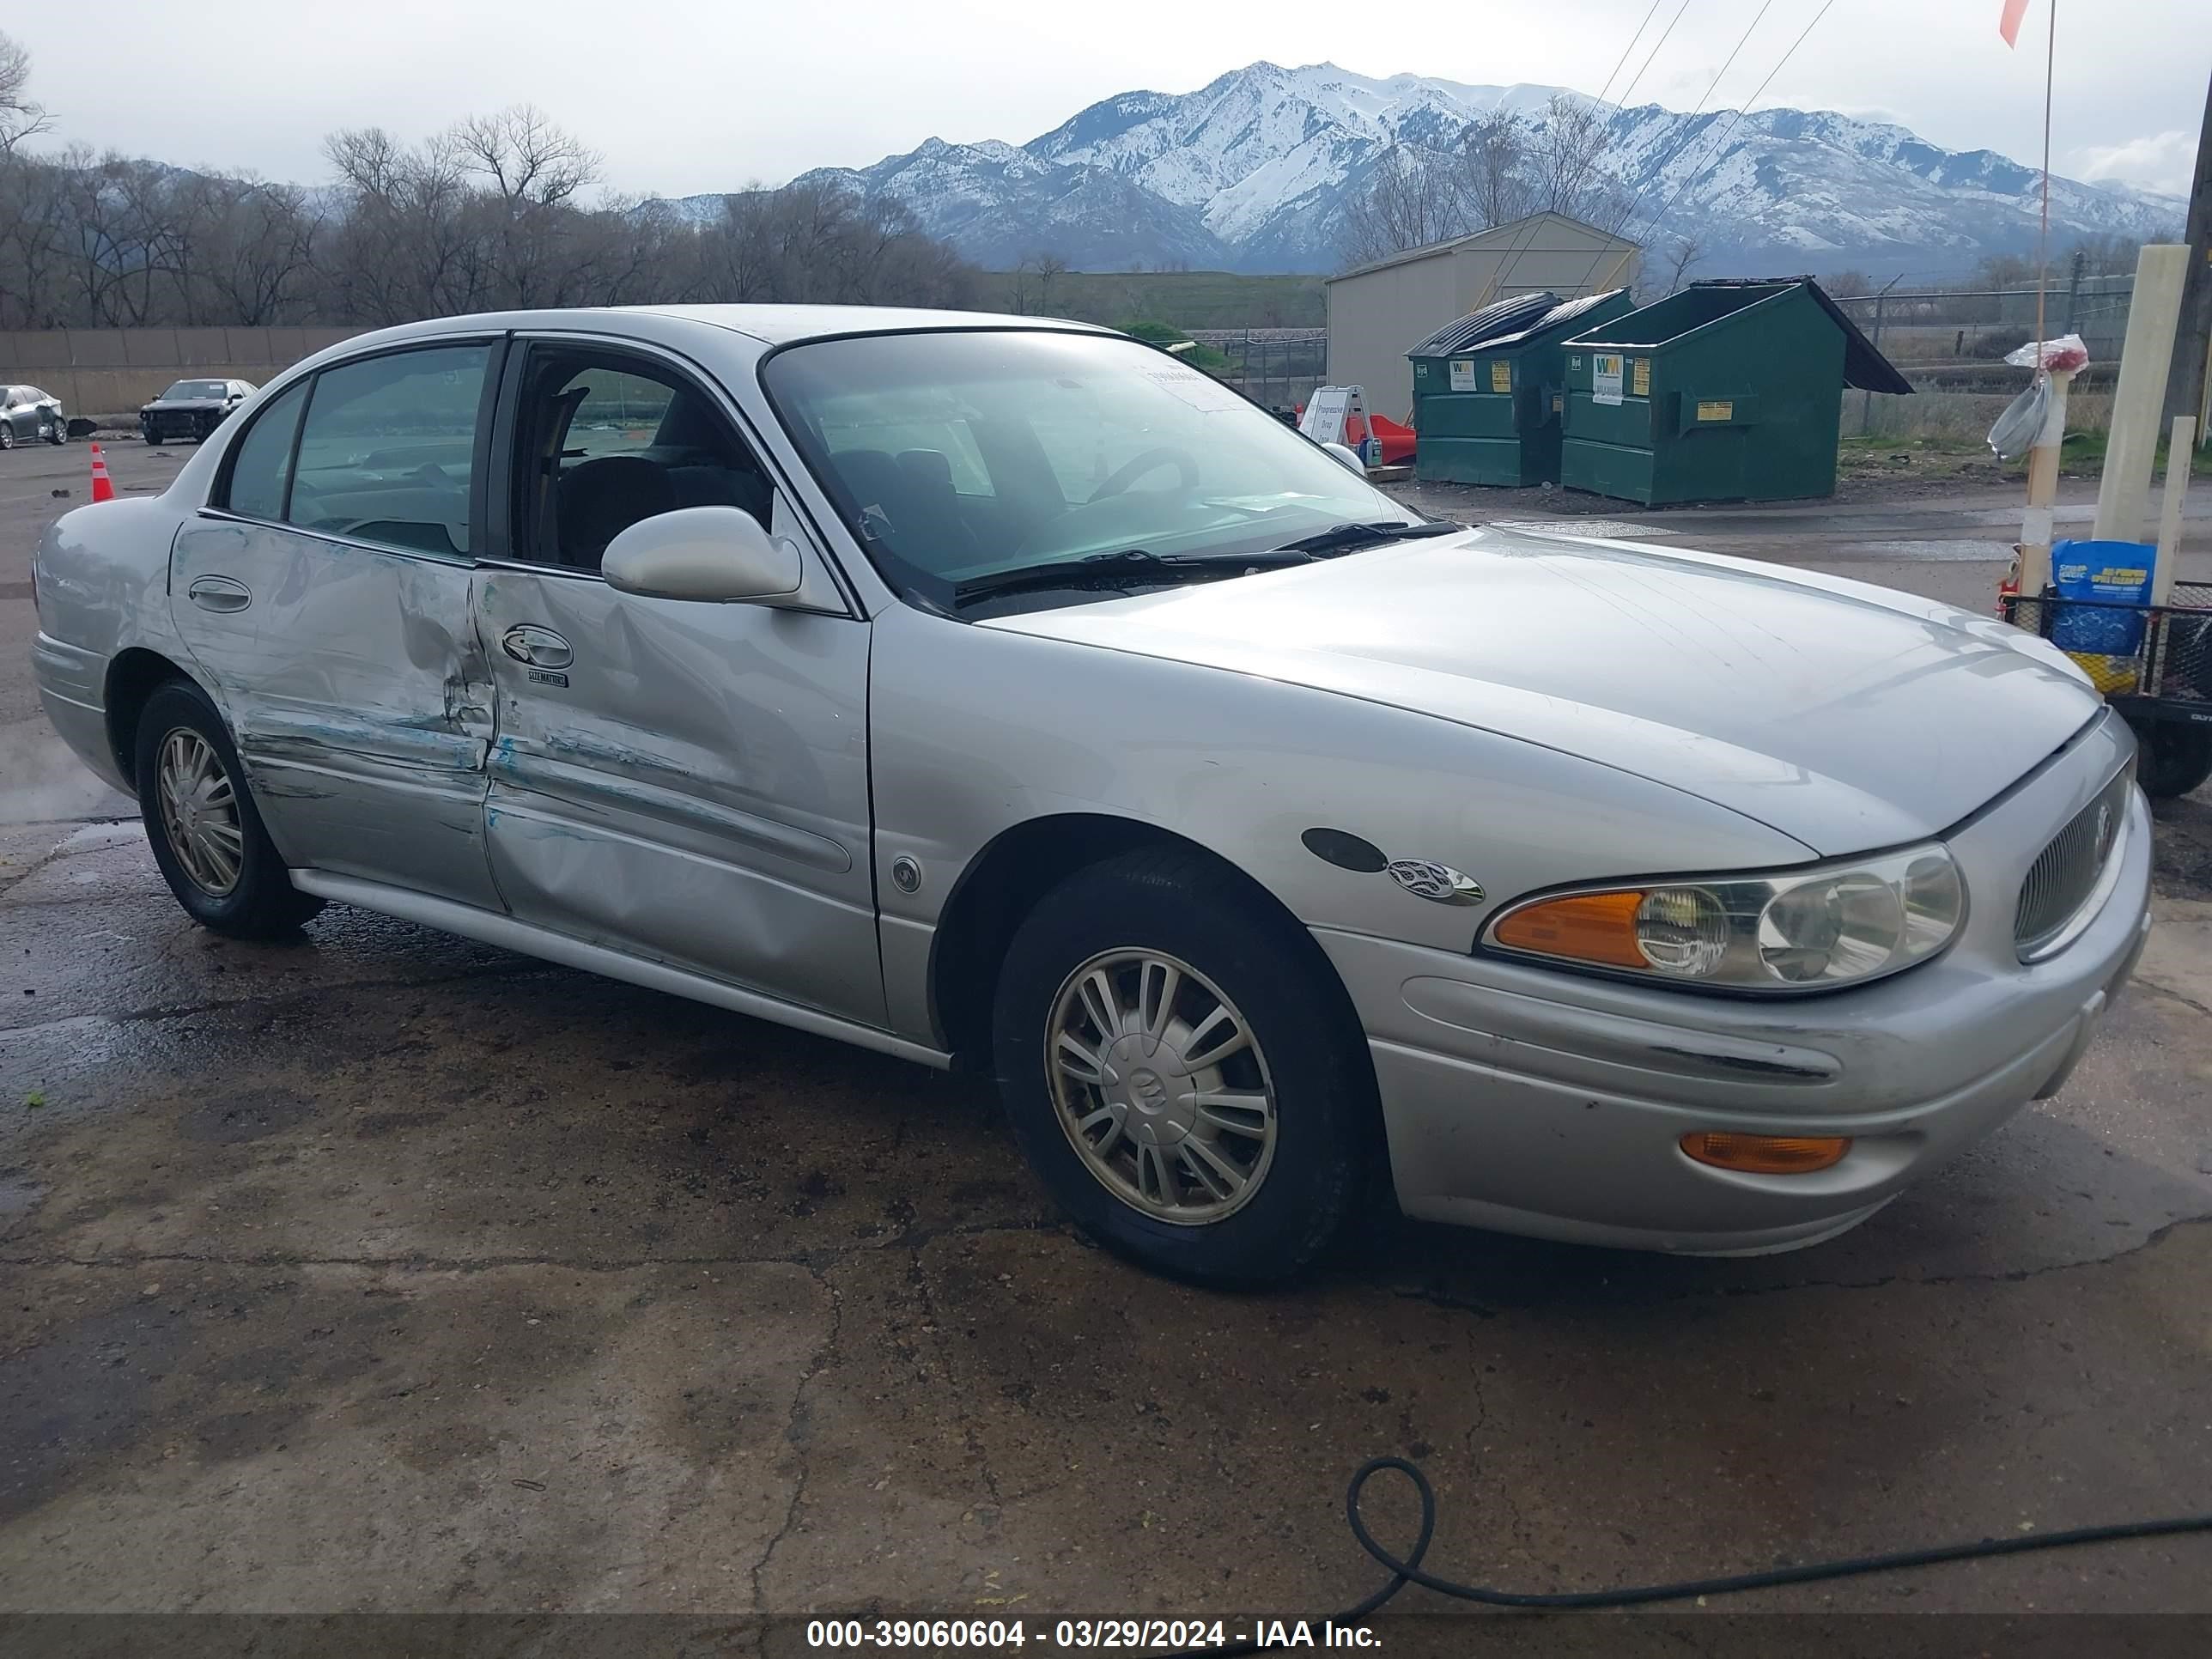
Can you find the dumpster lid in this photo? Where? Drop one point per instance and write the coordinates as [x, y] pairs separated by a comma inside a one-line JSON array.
[[1565, 311], [1506, 316], [1865, 369]]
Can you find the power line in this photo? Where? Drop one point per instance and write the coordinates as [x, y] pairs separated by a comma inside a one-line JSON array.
[[1523, 243], [1711, 87], [1720, 146]]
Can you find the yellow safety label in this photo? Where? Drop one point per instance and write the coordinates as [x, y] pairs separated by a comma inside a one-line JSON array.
[[1501, 377], [1641, 384], [1708, 410]]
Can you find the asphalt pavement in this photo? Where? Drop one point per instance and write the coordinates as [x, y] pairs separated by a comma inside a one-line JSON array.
[[383, 1271]]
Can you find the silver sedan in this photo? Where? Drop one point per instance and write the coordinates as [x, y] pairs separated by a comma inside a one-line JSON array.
[[1013, 696]]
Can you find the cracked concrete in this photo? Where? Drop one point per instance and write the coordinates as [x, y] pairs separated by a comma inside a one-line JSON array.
[[387, 1271]]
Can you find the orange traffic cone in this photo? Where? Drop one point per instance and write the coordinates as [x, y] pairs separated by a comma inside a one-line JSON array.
[[102, 489]]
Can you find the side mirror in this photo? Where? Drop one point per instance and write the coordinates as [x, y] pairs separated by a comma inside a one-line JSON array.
[[710, 553], [1348, 456]]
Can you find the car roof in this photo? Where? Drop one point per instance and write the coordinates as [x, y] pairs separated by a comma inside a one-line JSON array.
[[767, 326], [783, 324]]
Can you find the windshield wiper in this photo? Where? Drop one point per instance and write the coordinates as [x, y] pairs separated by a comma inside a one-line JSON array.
[[1131, 564], [1343, 537]]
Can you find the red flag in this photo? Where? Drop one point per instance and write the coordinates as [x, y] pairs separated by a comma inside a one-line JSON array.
[[2008, 25]]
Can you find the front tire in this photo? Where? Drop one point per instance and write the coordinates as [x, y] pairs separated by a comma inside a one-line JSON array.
[[1182, 1072], [7, 433], [201, 821], [2174, 758]]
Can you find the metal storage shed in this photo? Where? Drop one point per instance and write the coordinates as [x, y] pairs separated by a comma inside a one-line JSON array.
[[1377, 311]]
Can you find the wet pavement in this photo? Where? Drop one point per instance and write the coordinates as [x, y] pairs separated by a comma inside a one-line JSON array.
[[384, 1271]]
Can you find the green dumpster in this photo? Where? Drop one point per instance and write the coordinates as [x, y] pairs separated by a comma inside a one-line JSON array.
[[1486, 411], [1725, 391]]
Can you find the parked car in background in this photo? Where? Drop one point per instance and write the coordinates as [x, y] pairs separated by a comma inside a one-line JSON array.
[[27, 413], [192, 409], [1013, 696]]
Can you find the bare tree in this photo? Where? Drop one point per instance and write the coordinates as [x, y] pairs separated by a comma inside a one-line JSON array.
[[20, 115], [487, 214], [1686, 252], [1494, 170], [1567, 164], [530, 162], [1409, 199], [1049, 268]]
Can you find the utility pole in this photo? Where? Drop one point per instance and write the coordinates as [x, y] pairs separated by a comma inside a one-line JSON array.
[[2185, 387]]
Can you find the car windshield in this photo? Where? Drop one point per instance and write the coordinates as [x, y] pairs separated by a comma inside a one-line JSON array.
[[954, 456], [198, 389]]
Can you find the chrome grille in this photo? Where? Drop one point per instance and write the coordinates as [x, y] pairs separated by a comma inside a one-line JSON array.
[[2064, 877]]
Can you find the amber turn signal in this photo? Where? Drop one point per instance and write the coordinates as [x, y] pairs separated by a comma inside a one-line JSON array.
[[1598, 927], [1766, 1154]]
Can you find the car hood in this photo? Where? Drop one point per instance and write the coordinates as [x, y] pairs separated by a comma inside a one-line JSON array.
[[1846, 716], [185, 405]]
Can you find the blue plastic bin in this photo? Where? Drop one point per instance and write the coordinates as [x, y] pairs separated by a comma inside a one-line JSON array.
[[2108, 574]]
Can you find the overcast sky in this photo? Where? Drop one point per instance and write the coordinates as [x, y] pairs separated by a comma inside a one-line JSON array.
[[687, 95]]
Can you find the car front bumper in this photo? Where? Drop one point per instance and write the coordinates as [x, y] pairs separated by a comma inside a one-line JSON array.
[[1531, 1101], [173, 424]]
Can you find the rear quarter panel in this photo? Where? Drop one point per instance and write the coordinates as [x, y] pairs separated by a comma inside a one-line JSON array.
[[102, 575]]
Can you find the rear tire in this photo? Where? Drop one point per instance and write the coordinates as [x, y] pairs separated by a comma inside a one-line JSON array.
[[2172, 758], [201, 821], [1236, 1097], [7, 433]]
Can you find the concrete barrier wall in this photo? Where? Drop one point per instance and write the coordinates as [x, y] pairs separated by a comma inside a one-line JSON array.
[[112, 371]]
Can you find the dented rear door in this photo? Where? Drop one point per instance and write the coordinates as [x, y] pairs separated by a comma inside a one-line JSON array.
[[325, 594]]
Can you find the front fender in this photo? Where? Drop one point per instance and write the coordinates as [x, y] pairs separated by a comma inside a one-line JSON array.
[[977, 729]]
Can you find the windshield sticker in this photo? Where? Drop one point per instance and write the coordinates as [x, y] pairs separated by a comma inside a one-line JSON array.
[[1202, 392]]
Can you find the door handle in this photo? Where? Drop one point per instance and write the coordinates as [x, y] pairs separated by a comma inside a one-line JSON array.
[[539, 647], [219, 593]]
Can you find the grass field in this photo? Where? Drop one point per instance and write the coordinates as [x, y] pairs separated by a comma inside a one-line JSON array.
[[1188, 299]]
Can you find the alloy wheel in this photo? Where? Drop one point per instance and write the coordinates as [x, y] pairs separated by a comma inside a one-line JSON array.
[[1160, 1086], [199, 812]]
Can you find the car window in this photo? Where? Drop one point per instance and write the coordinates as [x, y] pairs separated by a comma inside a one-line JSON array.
[[261, 467], [603, 442], [387, 449]]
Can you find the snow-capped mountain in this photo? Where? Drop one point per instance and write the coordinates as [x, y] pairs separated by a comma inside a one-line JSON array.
[[1254, 172]]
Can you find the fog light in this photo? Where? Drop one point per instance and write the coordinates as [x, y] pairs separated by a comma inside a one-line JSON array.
[[1766, 1154]]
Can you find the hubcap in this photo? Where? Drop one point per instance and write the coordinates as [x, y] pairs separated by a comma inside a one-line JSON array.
[[199, 812], [1160, 1086]]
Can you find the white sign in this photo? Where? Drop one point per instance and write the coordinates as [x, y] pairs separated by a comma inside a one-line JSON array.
[[1462, 376], [1328, 411], [1605, 377]]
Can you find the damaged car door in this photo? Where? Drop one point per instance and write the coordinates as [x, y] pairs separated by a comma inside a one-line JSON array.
[[684, 780], [324, 589]]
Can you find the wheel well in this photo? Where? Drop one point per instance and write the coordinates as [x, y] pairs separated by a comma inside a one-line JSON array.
[[1004, 884], [132, 679]]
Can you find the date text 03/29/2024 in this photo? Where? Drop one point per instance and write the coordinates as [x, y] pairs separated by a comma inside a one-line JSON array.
[[1124, 1635]]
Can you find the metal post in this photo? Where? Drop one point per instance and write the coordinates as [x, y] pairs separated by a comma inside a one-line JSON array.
[[1866, 398]]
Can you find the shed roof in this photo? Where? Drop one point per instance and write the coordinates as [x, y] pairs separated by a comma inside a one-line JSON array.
[[1512, 231]]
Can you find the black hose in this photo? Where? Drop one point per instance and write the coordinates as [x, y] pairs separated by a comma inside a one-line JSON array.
[[1407, 1569]]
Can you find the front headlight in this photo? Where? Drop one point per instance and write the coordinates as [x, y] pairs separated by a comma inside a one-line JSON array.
[[1793, 930]]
